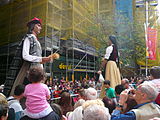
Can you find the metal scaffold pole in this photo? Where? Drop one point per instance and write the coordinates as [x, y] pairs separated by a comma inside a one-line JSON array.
[[146, 35], [73, 43]]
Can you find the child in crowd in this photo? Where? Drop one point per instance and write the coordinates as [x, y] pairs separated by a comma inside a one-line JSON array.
[[37, 95]]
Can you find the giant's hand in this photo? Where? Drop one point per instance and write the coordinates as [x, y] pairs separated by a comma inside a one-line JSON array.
[[54, 56], [50, 57], [45, 59], [103, 64], [99, 72]]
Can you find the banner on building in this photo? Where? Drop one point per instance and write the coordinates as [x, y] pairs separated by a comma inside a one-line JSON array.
[[151, 43]]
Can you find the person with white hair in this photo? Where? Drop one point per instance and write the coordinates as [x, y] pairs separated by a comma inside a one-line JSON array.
[[92, 102], [96, 112], [144, 95], [90, 94]]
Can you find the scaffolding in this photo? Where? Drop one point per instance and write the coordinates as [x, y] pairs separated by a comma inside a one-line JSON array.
[[62, 20]]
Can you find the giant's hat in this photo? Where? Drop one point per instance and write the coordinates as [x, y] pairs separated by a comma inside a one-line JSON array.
[[34, 21]]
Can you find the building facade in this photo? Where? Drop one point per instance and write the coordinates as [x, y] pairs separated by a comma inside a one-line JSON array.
[[64, 30]]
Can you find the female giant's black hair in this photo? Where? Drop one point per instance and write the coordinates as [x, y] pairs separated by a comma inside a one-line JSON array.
[[30, 28], [112, 38]]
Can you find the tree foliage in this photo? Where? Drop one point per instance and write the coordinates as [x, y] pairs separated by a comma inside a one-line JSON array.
[[129, 37]]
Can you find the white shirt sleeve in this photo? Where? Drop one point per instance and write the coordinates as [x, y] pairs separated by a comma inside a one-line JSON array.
[[16, 106], [108, 52], [25, 53]]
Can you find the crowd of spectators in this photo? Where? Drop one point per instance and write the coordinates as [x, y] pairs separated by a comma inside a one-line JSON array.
[[136, 98]]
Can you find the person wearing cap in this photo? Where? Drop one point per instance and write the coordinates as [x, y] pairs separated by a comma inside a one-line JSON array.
[[27, 54], [109, 63], [35, 57], [31, 52]]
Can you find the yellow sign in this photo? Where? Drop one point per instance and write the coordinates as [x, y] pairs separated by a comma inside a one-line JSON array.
[[62, 66]]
